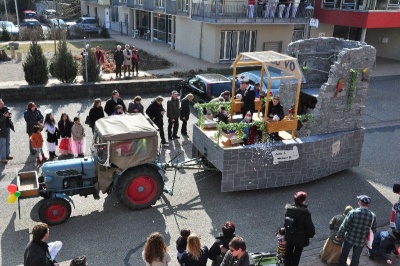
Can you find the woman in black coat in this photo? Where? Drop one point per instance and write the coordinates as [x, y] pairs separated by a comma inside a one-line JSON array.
[[156, 112], [96, 112], [33, 117], [64, 126], [185, 112]]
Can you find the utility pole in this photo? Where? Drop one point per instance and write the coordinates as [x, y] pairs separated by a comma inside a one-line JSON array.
[[85, 54], [5, 6], [16, 11]]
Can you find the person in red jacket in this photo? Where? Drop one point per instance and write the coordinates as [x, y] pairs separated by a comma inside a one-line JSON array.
[[135, 61], [99, 58]]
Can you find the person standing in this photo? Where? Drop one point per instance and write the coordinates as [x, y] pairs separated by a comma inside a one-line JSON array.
[[9, 125], [155, 251], [251, 8], [395, 217], [221, 245], [37, 251], [185, 112], [354, 230], [331, 250], [173, 116], [119, 60], [113, 102], [298, 217], [33, 117], [96, 112], [127, 60], [36, 139], [52, 133], [248, 95], [135, 106], [196, 254], [156, 112], [78, 134], [64, 127], [237, 254], [135, 61], [99, 59], [275, 113]]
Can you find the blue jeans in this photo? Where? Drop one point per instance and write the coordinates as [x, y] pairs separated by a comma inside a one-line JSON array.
[[355, 259], [3, 148]]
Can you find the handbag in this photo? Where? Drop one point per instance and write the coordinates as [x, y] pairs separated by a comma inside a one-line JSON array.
[[88, 121]]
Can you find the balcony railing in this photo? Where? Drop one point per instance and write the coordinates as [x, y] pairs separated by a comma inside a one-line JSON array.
[[362, 5], [282, 12]]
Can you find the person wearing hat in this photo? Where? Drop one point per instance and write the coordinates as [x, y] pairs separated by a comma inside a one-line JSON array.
[[185, 112], [173, 116], [383, 244], [354, 231], [395, 217], [248, 95], [331, 250]]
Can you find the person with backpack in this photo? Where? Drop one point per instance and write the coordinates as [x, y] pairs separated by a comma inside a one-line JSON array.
[[299, 228], [221, 244]]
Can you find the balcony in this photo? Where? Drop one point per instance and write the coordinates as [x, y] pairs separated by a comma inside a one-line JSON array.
[[237, 12], [100, 2], [368, 14]]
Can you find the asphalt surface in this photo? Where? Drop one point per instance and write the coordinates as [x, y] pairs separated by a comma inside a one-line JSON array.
[[110, 234]]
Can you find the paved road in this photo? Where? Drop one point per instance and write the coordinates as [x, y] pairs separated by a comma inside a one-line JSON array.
[[110, 234]]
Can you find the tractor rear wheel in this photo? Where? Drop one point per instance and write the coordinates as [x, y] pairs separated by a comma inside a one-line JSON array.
[[54, 211], [140, 187]]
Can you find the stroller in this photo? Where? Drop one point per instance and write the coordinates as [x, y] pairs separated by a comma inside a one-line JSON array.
[[265, 258]]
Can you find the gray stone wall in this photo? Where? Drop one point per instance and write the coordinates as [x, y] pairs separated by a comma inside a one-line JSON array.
[[328, 60], [252, 167], [89, 90]]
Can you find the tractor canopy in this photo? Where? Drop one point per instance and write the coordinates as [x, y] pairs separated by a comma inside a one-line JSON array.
[[125, 141]]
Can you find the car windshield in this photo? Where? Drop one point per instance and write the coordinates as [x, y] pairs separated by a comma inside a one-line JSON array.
[[100, 152], [218, 88], [30, 15], [89, 21]]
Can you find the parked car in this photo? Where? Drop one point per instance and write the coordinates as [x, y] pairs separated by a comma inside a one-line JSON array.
[[46, 15], [29, 14], [85, 25], [255, 77], [11, 28], [205, 87], [29, 28], [56, 23]]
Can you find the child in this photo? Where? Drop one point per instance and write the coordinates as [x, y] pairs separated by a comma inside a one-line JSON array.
[[37, 143], [280, 237], [181, 243], [78, 132], [119, 110], [52, 133], [223, 115]]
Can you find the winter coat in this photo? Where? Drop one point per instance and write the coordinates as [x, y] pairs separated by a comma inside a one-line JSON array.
[[248, 100], [304, 226], [65, 128], [230, 260], [9, 123], [215, 249], [37, 140], [155, 111], [334, 226], [173, 109], [52, 137], [95, 114], [111, 104], [37, 254], [78, 132], [119, 57], [188, 260], [135, 106], [127, 57], [135, 56], [275, 110], [99, 57], [185, 109], [32, 119]]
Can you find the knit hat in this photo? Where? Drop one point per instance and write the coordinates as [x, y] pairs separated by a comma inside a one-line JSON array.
[[347, 210], [364, 199], [396, 188]]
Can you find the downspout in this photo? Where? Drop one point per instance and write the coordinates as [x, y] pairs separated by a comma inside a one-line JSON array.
[[201, 38]]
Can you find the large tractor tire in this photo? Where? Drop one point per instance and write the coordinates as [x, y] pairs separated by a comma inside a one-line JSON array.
[[54, 211], [140, 187]]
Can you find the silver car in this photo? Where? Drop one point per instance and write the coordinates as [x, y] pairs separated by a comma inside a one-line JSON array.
[[11, 28]]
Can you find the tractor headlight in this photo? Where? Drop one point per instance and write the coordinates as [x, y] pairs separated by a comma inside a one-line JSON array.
[[48, 179]]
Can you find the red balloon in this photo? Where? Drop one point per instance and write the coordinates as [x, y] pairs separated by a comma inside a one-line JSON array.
[[12, 188]]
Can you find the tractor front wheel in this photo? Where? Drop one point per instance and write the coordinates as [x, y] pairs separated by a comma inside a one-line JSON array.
[[140, 187], [54, 211]]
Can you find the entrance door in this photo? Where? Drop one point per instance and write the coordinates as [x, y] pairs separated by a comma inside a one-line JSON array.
[[107, 18], [235, 42]]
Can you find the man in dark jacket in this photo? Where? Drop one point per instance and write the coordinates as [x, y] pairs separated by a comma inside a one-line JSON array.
[[275, 112], [119, 60], [33, 117], [185, 112], [221, 245], [298, 237], [156, 112], [173, 116], [113, 102], [248, 95], [37, 252], [6, 127], [237, 254]]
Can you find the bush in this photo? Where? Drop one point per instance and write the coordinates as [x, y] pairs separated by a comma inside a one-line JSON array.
[[27, 34], [93, 70], [63, 65], [35, 65], [5, 36], [104, 33]]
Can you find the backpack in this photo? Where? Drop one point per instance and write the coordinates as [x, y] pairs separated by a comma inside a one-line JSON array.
[[290, 226]]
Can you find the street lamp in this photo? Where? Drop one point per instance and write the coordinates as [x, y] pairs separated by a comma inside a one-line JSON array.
[[309, 14]]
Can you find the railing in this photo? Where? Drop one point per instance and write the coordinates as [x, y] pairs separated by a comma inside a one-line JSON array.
[[365, 5], [282, 11]]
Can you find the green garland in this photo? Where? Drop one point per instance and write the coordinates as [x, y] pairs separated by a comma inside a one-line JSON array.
[[352, 87], [213, 107]]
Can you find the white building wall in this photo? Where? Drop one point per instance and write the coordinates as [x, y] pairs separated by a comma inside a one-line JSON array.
[[386, 42]]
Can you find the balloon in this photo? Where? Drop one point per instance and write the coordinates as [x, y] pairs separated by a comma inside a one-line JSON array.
[[11, 199], [17, 194], [12, 188]]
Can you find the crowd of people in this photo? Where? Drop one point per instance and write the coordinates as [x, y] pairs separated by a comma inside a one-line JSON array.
[[128, 58]]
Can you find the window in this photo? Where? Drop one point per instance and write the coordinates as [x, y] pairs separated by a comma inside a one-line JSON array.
[[159, 3], [114, 14], [235, 42], [298, 32], [183, 5], [139, 2], [122, 1], [87, 10]]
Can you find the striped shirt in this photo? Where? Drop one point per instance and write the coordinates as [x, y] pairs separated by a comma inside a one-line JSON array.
[[356, 225]]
